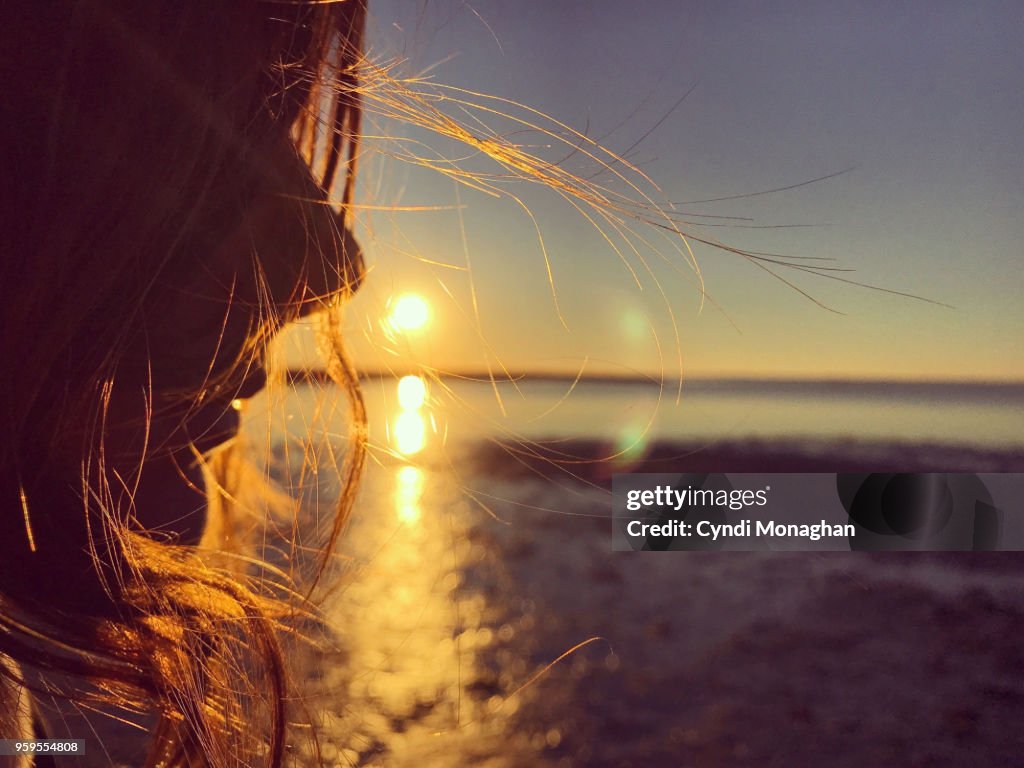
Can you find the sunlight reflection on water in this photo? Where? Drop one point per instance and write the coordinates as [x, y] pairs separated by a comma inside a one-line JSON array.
[[434, 635], [425, 650], [408, 490], [409, 431], [417, 623]]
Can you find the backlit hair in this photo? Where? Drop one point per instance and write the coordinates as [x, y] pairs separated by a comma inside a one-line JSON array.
[[137, 133]]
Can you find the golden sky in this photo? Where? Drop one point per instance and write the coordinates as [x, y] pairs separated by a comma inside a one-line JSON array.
[[921, 103]]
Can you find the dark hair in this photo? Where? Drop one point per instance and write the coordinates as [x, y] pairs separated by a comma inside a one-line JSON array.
[[140, 139]]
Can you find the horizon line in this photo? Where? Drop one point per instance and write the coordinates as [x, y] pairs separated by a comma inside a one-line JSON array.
[[318, 374]]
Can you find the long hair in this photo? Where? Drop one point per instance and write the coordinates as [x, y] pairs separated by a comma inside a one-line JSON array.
[[159, 151], [143, 141]]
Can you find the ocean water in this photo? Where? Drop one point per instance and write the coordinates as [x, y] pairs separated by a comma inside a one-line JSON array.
[[480, 618], [636, 414]]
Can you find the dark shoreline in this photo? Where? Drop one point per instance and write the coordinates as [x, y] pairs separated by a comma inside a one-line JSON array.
[[593, 461]]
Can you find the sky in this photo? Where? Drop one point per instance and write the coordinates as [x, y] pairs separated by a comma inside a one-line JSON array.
[[919, 104]]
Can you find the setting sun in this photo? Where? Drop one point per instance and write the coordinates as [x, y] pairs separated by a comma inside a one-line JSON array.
[[409, 312]]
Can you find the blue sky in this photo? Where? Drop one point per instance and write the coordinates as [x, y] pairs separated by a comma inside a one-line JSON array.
[[923, 102]]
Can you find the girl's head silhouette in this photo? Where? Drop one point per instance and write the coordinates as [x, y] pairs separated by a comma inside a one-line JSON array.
[[180, 180], [179, 183]]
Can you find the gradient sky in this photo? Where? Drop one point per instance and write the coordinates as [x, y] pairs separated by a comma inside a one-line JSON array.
[[924, 101]]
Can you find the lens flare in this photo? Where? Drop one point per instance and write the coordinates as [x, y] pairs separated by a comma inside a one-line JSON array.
[[631, 443], [409, 312]]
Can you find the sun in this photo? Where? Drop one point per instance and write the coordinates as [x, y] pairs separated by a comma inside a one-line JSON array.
[[409, 312]]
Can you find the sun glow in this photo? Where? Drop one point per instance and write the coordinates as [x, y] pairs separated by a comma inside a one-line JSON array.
[[409, 312]]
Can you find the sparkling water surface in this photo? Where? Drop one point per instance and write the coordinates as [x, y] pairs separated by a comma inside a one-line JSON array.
[[460, 582]]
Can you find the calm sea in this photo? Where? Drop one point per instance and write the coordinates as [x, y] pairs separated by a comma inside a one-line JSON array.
[[480, 618], [986, 416]]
